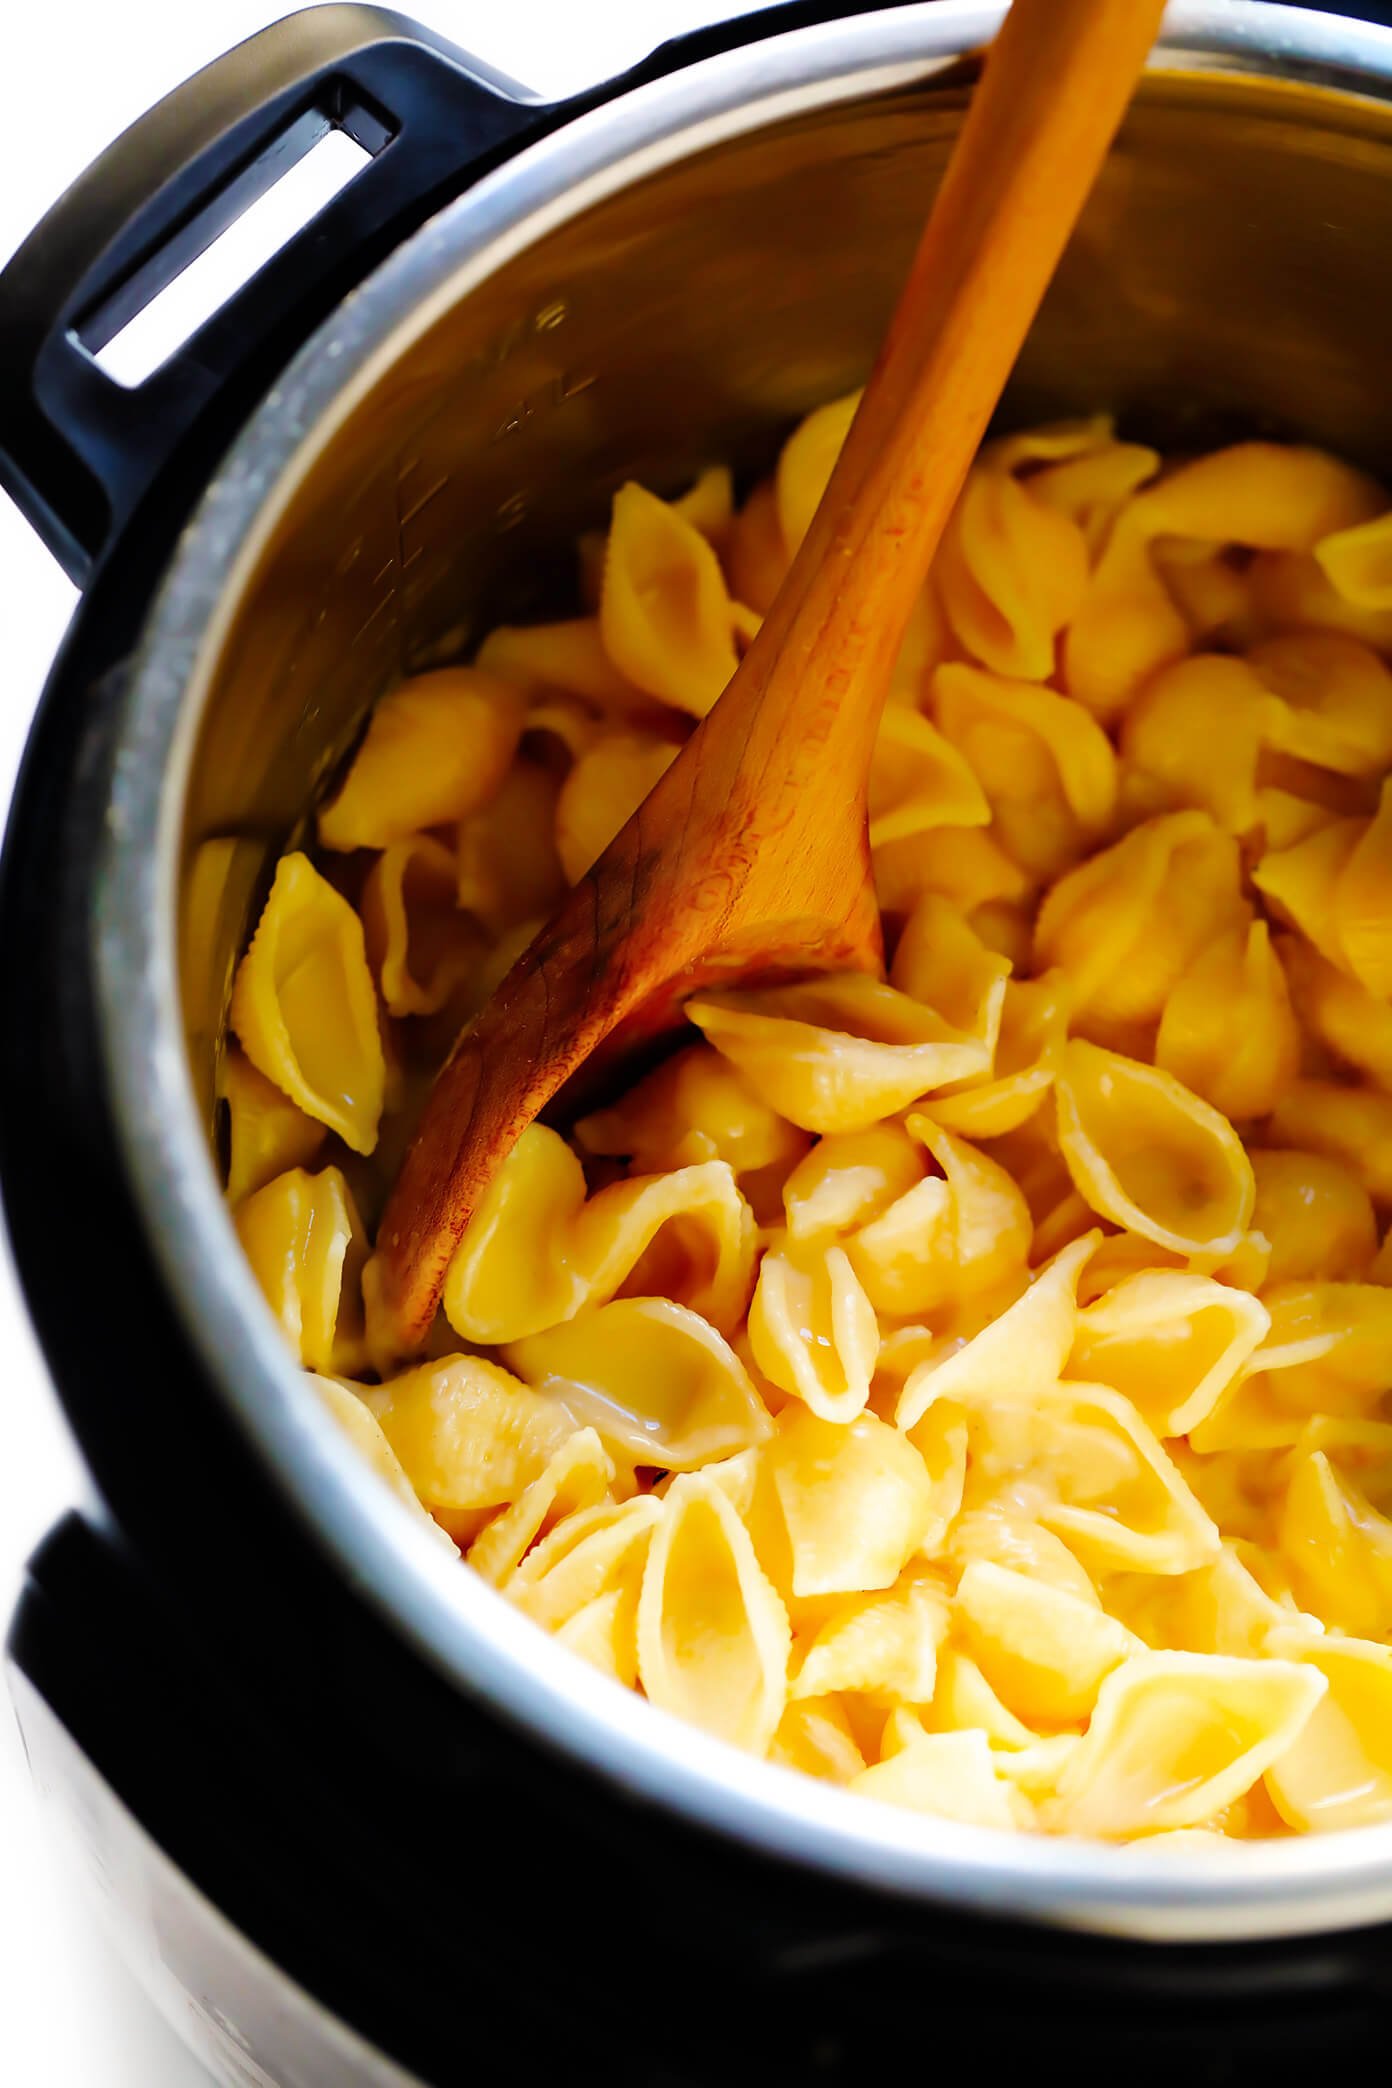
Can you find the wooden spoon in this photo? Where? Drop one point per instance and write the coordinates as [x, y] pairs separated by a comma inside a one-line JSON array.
[[751, 855]]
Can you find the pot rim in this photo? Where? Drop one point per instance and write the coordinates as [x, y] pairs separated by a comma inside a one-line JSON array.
[[459, 1623]]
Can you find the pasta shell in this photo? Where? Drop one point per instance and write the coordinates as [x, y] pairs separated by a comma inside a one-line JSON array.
[[221, 880], [604, 1632], [1006, 929], [966, 864], [1034, 1771], [1119, 1255], [709, 503], [1011, 573], [713, 1637], [1148, 1154], [568, 656], [902, 1349], [813, 1331], [1285, 817], [940, 1439], [603, 791], [469, 1435], [1043, 1652], [1031, 1154], [1358, 560], [1176, 1737], [1210, 590], [1095, 1475], [1248, 1597], [358, 1422], [1048, 769], [1193, 737], [900, 1729], [514, 1271], [1331, 1344], [1118, 948], [738, 1478], [577, 1476], [839, 1053], [941, 962], [1317, 1216], [1360, 1448], [267, 1134], [849, 1177], [1014, 1541], [1301, 882], [693, 1107], [1033, 1026], [856, 1502], [1091, 488], [1229, 1032], [1351, 1125], [652, 1377], [1334, 703], [664, 612], [1220, 1608], [806, 464], [964, 1699], [1232, 1485], [951, 1775], [436, 748], [1126, 627], [918, 780], [885, 1646], [907, 1257], [756, 556], [420, 945], [305, 1009], [1069, 1220], [305, 1242], [814, 1735], [1053, 442], [559, 729], [1170, 1342], [507, 866], [1268, 496], [1338, 1547], [925, 641], [947, 1239], [588, 1555], [1292, 592], [1248, 1423], [1024, 1349], [1363, 903], [1351, 1023], [1337, 1772], [688, 1235]]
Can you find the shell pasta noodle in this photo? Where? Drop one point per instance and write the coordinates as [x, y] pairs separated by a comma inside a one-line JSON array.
[[967, 1386]]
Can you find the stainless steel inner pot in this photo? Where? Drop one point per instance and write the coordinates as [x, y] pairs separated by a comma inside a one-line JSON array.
[[670, 280]]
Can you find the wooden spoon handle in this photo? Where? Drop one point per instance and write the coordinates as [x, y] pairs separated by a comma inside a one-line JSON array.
[[1055, 87], [753, 845]]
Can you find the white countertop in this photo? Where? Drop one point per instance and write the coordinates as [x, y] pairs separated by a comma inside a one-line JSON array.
[[76, 75]]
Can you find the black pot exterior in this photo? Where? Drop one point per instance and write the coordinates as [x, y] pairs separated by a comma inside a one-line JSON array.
[[213, 1694]]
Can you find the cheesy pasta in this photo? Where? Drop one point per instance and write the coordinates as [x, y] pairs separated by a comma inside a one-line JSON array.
[[967, 1386]]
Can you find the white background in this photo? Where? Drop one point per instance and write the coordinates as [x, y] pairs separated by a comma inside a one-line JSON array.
[[76, 73]]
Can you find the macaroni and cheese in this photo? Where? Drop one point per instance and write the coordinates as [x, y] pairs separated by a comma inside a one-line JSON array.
[[968, 1385]]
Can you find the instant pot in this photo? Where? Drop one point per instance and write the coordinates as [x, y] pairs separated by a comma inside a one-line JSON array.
[[355, 1820]]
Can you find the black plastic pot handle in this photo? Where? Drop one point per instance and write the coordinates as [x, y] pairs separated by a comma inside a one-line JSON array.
[[77, 449]]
